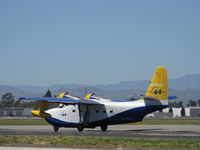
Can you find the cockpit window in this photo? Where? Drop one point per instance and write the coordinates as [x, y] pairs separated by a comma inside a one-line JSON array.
[[61, 106]]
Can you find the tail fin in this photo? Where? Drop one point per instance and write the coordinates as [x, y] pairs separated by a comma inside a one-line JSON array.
[[158, 87]]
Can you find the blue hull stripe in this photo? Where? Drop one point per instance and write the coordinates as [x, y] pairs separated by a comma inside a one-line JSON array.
[[57, 122]]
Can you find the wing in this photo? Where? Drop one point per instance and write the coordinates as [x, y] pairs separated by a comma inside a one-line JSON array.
[[60, 100]]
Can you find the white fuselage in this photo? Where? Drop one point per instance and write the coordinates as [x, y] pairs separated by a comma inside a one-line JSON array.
[[110, 112]]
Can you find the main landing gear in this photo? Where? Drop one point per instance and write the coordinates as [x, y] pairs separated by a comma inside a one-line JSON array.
[[104, 127], [55, 128], [80, 127]]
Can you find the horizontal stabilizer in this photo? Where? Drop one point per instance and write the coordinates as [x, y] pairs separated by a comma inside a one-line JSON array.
[[172, 97], [149, 98]]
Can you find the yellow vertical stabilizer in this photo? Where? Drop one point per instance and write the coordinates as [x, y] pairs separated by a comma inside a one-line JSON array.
[[158, 87]]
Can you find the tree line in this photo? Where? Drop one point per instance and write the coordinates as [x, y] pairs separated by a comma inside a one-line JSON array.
[[8, 100], [179, 104]]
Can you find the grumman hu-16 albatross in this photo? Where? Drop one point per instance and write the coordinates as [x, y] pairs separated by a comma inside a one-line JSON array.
[[93, 111]]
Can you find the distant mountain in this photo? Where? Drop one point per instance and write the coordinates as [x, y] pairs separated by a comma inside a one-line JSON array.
[[185, 95], [68, 86], [17, 92], [186, 88], [35, 89], [186, 82], [125, 85]]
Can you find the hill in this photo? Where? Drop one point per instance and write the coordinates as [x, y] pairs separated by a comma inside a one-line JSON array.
[[16, 91], [186, 88]]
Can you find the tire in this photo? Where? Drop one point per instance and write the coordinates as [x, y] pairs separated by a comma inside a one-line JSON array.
[[80, 128], [55, 128], [104, 127]]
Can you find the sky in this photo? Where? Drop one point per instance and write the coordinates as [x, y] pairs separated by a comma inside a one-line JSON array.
[[97, 42]]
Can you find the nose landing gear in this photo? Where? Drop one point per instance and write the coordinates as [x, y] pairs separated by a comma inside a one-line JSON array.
[[55, 128], [80, 127]]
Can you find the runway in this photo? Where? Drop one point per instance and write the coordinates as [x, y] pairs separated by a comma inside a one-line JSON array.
[[135, 131]]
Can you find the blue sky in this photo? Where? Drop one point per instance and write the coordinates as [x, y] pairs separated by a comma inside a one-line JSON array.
[[97, 42]]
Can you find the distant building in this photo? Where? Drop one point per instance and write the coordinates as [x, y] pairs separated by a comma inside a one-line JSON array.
[[189, 112], [15, 112], [176, 111], [194, 111]]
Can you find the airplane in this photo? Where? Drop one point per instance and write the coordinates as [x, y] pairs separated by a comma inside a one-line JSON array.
[[93, 111]]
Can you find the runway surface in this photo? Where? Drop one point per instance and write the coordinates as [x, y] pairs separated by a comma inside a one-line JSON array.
[[135, 131]]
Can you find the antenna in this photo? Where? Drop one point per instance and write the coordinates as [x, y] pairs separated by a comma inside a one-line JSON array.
[[85, 88], [61, 89]]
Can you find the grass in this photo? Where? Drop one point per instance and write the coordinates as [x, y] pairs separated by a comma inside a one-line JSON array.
[[145, 122], [106, 142]]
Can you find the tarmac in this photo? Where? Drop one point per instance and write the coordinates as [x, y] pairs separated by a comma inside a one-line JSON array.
[[134, 131]]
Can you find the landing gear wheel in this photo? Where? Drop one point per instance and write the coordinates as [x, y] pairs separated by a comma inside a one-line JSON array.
[[80, 128], [55, 128], [104, 127]]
